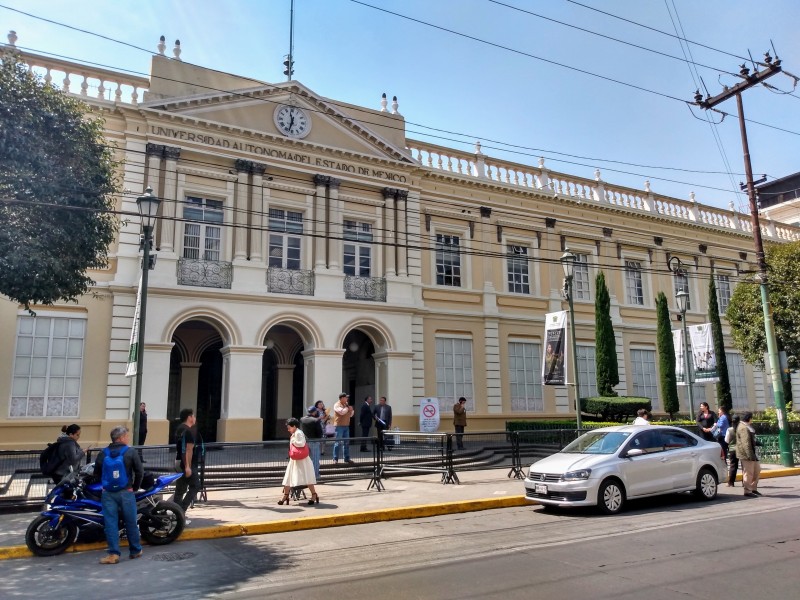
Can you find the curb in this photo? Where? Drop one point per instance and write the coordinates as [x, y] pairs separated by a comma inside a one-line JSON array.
[[335, 520]]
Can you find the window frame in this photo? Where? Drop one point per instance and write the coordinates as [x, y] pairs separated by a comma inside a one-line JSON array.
[[517, 260], [360, 246], [205, 249], [442, 253], [464, 387], [642, 388], [532, 377], [287, 236], [639, 273]]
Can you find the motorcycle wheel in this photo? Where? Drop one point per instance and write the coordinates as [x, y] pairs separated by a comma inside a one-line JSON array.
[[163, 524], [44, 540]]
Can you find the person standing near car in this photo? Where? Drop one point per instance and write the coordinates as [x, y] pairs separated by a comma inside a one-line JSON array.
[[189, 451], [721, 428], [120, 470], [460, 421], [746, 452], [705, 422], [365, 420], [733, 460]]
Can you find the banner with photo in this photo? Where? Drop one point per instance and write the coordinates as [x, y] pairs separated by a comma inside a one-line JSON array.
[[701, 342], [133, 352], [555, 357], [680, 362]]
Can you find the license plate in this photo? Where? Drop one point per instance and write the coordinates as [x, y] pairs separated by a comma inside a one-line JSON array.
[[540, 488]]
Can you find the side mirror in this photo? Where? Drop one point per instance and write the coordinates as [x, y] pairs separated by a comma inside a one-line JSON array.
[[634, 452]]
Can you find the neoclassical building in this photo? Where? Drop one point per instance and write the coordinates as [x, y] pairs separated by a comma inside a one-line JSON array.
[[306, 247]]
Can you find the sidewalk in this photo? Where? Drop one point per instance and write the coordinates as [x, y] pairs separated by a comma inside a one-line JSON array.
[[231, 513]]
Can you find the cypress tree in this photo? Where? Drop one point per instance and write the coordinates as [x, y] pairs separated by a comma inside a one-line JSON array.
[[724, 398], [666, 358], [605, 344]]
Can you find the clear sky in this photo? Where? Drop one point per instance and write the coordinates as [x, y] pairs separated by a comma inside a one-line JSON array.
[[491, 90]]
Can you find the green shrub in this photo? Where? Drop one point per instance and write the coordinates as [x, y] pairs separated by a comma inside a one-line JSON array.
[[615, 409]]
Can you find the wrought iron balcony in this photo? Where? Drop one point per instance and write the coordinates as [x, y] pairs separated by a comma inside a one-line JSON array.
[[290, 281], [365, 288], [205, 273]]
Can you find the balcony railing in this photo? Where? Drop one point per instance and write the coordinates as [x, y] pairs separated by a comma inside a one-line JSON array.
[[290, 281], [365, 288], [205, 273]]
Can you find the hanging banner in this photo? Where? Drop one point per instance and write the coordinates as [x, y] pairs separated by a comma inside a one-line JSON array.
[[429, 415], [680, 361], [133, 352], [555, 356], [701, 341]]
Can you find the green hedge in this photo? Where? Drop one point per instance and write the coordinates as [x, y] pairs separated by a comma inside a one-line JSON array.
[[618, 409]]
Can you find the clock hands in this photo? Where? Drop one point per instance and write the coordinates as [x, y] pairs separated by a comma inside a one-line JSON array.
[[291, 120]]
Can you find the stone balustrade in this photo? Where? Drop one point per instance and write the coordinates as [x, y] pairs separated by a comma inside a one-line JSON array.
[[479, 166]]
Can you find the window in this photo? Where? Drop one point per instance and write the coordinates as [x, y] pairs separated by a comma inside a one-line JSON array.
[[524, 376], [587, 371], [454, 369], [518, 276], [202, 234], [633, 282], [681, 284], [723, 292], [448, 260], [357, 248], [580, 278], [285, 237], [47, 367], [645, 376], [675, 438], [737, 380]]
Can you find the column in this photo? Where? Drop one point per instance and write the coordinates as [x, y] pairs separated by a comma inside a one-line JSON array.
[[402, 233], [394, 379], [323, 375], [258, 220], [241, 394], [154, 153], [320, 222], [389, 238], [155, 389], [169, 204], [336, 225], [190, 374], [240, 206], [494, 399]]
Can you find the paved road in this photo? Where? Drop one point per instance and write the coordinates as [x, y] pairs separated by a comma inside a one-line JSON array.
[[660, 549]]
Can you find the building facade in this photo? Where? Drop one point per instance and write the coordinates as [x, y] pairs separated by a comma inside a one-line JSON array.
[[308, 247]]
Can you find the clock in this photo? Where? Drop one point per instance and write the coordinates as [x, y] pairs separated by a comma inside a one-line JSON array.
[[292, 121]]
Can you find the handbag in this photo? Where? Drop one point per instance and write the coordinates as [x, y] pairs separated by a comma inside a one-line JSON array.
[[298, 453]]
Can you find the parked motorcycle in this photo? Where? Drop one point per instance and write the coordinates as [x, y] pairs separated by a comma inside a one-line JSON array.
[[74, 505]]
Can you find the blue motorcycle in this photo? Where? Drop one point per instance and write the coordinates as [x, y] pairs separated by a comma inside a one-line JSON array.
[[74, 505]]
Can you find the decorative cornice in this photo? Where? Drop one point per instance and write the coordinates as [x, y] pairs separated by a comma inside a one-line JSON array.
[[361, 200], [184, 170], [296, 189], [327, 181], [449, 214], [519, 225]]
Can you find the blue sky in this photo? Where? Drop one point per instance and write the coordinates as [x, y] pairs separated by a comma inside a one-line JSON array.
[[350, 52]]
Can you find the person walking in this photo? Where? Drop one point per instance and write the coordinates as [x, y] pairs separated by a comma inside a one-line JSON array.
[[705, 422], [730, 439], [383, 421], [300, 470], [721, 428], [189, 453], [365, 420], [342, 413], [460, 421], [142, 423], [68, 453], [746, 452], [311, 426], [120, 470]]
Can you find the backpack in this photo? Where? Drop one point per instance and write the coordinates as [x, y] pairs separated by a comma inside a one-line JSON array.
[[115, 476], [49, 460]]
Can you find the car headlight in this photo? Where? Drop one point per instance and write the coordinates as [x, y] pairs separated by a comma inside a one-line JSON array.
[[577, 475]]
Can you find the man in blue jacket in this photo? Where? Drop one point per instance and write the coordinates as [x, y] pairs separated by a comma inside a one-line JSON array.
[[120, 470]]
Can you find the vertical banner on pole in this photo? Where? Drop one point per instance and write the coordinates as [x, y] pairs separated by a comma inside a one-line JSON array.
[[680, 362], [554, 371], [133, 352], [703, 357]]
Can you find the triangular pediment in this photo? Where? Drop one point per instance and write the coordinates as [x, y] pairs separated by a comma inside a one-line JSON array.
[[332, 124]]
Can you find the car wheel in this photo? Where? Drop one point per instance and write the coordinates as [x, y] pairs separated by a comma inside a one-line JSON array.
[[611, 497], [706, 488]]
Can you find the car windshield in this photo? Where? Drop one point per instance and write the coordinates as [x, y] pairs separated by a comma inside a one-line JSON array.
[[597, 442]]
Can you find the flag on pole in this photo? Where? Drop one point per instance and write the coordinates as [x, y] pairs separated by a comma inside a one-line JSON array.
[[133, 353]]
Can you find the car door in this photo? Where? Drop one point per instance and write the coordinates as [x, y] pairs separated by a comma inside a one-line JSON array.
[[682, 453], [648, 473]]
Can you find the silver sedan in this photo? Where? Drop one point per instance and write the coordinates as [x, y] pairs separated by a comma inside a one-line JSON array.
[[606, 467]]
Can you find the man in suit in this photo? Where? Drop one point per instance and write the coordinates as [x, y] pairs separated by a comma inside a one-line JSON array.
[[383, 420], [365, 420]]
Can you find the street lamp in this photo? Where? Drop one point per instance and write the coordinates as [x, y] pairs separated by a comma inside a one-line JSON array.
[[568, 263], [682, 299], [148, 208]]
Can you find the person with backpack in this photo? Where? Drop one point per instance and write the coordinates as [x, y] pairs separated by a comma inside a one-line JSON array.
[[120, 471], [189, 454], [64, 455]]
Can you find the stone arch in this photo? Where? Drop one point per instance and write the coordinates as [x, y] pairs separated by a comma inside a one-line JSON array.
[[305, 328], [224, 325], [377, 332]]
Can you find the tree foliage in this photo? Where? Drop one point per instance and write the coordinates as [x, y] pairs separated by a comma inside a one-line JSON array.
[[746, 317], [666, 357], [605, 344], [724, 398], [56, 186]]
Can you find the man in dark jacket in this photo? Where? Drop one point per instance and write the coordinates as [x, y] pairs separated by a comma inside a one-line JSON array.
[[383, 421], [311, 426], [142, 423], [121, 476], [365, 420], [189, 453]]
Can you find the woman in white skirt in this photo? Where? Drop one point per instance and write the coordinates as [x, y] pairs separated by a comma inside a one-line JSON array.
[[300, 471]]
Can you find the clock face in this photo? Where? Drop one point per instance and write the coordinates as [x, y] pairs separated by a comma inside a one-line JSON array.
[[292, 121]]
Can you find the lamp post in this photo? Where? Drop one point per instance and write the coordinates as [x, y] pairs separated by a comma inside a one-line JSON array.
[[148, 208], [682, 299], [568, 263]]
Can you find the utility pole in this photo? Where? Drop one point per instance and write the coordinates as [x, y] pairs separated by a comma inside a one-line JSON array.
[[773, 67]]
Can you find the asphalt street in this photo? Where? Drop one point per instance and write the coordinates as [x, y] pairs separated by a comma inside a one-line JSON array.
[[666, 548]]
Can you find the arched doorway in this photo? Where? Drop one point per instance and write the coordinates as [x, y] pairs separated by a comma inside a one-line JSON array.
[[358, 369], [282, 380]]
